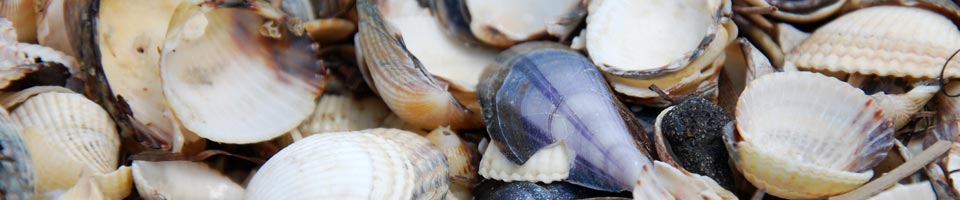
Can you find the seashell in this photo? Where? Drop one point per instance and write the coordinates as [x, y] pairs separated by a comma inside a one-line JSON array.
[[17, 60], [681, 55], [236, 92], [59, 24], [85, 135], [537, 96], [806, 135], [946, 8], [369, 164], [329, 30], [491, 189], [11, 100], [952, 163], [667, 182], [345, 113], [883, 41], [462, 157], [115, 185], [17, 172], [691, 135], [23, 14], [900, 108], [921, 190], [547, 165], [308, 10], [182, 180], [801, 11], [426, 81], [129, 56], [503, 26], [455, 19]]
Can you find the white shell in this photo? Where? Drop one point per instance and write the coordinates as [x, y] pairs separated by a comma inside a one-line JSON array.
[[899, 108], [85, 135], [552, 163], [918, 191], [806, 135], [668, 182], [345, 113], [503, 26], [369, 164], [182, 180]]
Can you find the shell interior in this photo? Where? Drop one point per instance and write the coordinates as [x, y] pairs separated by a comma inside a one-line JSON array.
[[182, 180], [500, 25]]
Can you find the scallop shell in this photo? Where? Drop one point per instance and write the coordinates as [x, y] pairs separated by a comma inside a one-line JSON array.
[[552, 163], [182, 180], [806, 135], [85, 134], [675, 53], [23, 14], [369, 164], [229, 84], [921, 190], [883, 41], [17, 174], [462, 157]]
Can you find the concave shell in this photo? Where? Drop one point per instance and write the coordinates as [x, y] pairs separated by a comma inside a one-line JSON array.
[[129, 37], [503, 26], [801, 11], [17, 175], [547, 165], [182, 180], [921, 190], [369, 164], [426, 78], [676, 45], [23, 14], [227, 83], [884, 41], [542, 93], [668, 182], [85, 135], [806, 135]]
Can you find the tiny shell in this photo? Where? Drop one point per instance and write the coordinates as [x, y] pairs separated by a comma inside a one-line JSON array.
[[182, 180], [806, 135], [86, 136], [369, 164], [550, 164], [883, 41]]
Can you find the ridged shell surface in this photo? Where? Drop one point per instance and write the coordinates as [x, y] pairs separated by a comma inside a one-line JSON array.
[[548, 165], [368, 164], [883, 41], [345, 113], [806, 135]]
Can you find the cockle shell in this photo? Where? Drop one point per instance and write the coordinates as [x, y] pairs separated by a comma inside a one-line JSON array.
[[806, 135], [462, 159], [85, 135], [345, 113], [676, 45], [17, 174], [541, 94], [368, 164], [884, 41], [801, 11], [182, 180], [23, 14], [426, 78], [228, 83], [502, 26]]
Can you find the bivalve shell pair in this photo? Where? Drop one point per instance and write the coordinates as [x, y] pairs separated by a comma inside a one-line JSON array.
[[369, 164], [805, 135], [676, 45]]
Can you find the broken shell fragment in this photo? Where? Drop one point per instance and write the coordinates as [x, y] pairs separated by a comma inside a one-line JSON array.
[[369, 164], [806, 135], [691, 134], [900, 108], [540, 94], [883, 41], [667, 182], [676, 45], [182, 180], [427, 79], [228, 83]]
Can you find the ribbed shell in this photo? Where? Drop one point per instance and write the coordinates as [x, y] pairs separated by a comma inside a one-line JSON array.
[[462, 157], [549, 164], [883, 41], [182, 180], [17, 179], [806, 135], [228, 84], [23, 14], [369, 164], [81, 130], [345, 113]]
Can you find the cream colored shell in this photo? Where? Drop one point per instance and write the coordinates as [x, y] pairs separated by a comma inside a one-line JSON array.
[[549, 164], [668, 182], [918, 191], [182, 180], [461, 156], [806, 135], [345, 113], [883, 41], [85, 138], [368, 164]]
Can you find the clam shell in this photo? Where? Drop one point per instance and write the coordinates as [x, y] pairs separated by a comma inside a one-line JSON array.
[[369, 164], [675, 53], [17, 174], [229, 84], [23, 14], [667, 182], [462, 157], [883, 41], [182, 180], [85, 134], [503, 26], [345, 113], [806, 135], [548, 165], [921, 190]]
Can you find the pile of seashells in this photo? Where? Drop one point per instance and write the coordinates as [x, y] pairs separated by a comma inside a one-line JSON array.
[[479, 99]]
